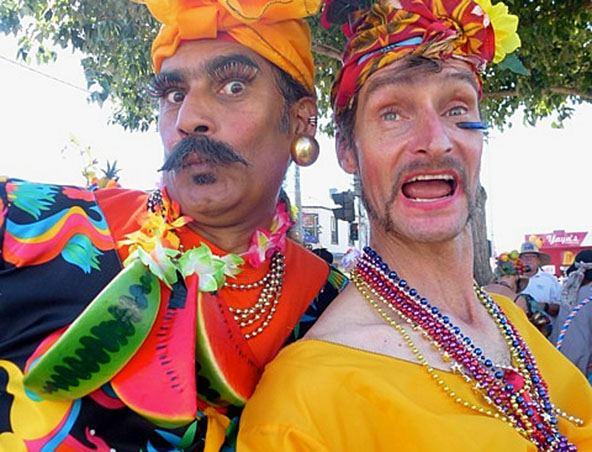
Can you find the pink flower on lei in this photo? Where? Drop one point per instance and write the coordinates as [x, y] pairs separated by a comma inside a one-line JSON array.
[[350, 258], [266, 242]]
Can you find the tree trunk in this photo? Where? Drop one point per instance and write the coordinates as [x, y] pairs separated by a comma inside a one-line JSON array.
[[482, 249]]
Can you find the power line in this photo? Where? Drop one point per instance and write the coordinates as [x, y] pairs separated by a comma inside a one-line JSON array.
[[43, 74]]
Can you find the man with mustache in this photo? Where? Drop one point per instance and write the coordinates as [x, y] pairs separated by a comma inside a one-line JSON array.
[[413, 355], [141, 321]]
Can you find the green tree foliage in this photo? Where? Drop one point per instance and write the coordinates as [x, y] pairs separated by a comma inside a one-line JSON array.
[[556, 52], [115, 35]]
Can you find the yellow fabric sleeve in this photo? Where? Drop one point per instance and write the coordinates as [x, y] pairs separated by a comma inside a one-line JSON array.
[[318, 395]]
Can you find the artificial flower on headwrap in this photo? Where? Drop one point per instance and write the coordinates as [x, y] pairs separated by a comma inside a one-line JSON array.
[[274, 29], [508, 264], [381, 32]]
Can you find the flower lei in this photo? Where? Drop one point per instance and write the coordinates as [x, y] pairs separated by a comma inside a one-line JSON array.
[[157, 246], [266, 242]]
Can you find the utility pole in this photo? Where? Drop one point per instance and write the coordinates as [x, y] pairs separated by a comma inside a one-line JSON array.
[[298, 203], [363, 227]]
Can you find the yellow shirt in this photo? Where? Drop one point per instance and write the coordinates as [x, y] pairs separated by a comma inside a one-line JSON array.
[[319, 396]]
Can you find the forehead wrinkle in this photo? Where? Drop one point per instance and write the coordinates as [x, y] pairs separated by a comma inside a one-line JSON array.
[[406, 77], [388, 79], [465, 76]]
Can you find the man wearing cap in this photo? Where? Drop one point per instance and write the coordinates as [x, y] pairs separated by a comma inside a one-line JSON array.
[[412, 355], [133, 321], [542, 285]]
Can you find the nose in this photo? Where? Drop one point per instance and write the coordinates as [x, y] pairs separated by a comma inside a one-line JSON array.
[[194, 117], [433, 135]]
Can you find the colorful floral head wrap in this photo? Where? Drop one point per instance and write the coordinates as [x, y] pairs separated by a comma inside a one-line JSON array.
[[509, 264], [381, 32], [275, 29]]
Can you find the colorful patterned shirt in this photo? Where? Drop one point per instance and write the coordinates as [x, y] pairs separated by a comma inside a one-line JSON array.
[[58, 250]]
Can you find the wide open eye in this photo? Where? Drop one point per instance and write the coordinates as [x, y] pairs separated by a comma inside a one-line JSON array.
[[390, 116], [175, 96], [457, 111], [233, 88]]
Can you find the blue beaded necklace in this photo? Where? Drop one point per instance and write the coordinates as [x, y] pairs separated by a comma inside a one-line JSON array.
[[519, 394]]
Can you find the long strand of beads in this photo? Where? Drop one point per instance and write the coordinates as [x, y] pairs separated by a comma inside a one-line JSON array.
[[364, 290], [258, 316], [446, 356], [524, 401], [508, 389]]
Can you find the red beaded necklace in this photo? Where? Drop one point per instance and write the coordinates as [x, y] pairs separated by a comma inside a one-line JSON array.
[[518, 395]]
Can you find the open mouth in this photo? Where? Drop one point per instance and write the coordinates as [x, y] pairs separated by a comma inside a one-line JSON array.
[[429, 187]]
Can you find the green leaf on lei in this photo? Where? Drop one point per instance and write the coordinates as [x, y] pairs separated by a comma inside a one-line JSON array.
[[159, 261], [210, 268], [232, 263]]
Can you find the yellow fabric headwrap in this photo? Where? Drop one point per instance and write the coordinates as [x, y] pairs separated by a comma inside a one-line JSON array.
[[275, 29]]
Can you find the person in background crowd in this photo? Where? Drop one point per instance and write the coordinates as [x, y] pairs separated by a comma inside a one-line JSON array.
[[413, 356], [509, 280], [572, 334], [324, 254], [542, 285]]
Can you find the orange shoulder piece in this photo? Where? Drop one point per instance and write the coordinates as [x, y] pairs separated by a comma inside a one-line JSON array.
[[306, 273], [123, 210], [305, 276]]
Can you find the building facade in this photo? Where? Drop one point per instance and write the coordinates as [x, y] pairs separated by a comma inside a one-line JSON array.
[[322, 230]]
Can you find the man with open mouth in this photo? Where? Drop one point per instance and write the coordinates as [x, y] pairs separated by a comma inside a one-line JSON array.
[[413, 355], [134, 321]]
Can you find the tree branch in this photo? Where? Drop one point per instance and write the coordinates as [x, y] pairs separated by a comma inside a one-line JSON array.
[[325, 50], [500, 94], [553, 89], [571, 92]]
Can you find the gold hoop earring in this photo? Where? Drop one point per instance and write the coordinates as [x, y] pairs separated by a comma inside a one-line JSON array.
[[304, 150]]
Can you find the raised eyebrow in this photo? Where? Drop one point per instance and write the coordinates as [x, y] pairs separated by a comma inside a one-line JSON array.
[[386, 80], [402, 79], [214, 66], [468, 77], [177, 77]]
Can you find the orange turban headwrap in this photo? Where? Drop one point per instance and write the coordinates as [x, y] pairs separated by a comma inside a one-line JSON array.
[[275, 29]]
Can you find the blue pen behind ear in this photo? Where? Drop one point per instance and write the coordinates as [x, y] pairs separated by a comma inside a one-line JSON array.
[[472, 125]]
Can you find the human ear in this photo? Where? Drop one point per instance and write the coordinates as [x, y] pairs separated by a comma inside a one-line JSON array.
[[304, 117], [346, 155]]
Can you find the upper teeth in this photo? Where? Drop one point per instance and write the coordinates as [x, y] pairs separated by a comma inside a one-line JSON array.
[[431, 177]]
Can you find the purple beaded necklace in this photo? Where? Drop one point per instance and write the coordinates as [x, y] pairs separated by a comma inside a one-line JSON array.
[[519, 393]]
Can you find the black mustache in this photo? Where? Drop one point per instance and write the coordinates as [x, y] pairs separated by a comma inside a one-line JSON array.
[[211, 151]]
